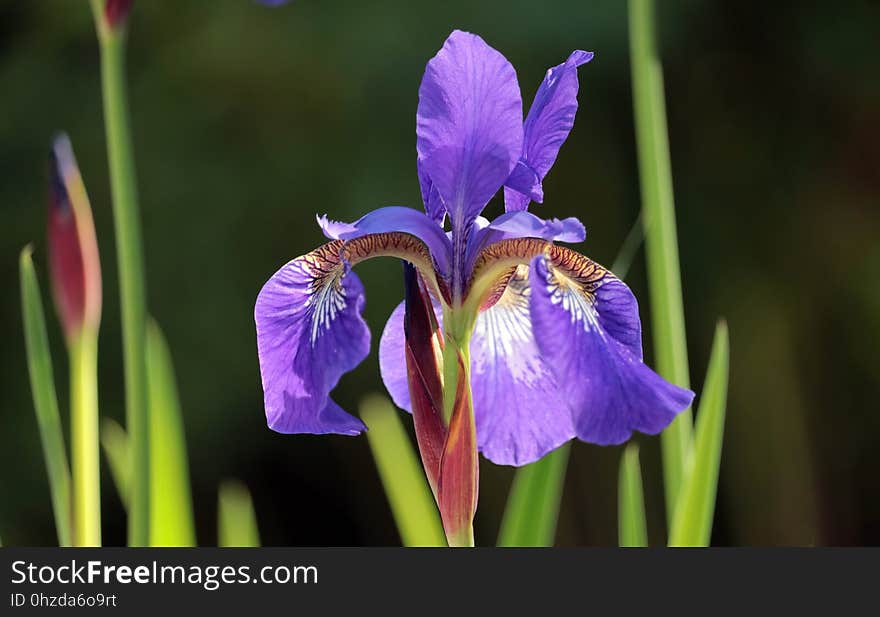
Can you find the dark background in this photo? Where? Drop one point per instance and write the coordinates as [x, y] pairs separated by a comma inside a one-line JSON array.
[[249, 120]]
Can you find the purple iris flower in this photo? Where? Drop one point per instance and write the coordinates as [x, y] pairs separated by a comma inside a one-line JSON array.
[[551, 340]]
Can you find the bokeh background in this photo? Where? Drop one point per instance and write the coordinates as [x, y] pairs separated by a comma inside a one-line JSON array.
[[249, 120]]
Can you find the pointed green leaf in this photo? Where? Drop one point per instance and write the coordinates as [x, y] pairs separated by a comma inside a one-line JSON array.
[[661, 244], [45, 399], [632, 528], [692, 524], [533, 505], [115, 443], [406, 486], [171, 510], [236, 519]]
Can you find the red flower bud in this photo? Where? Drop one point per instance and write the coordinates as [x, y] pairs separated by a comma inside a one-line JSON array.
[[73, 247], [116, 12], [423, 349]]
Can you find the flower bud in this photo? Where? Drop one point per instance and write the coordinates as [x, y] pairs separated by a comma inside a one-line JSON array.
[[423, 350], [73, 248], [116, 12]]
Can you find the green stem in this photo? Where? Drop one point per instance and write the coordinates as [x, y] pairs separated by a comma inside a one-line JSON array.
[[132, 288], [84, 446], [661, 244]]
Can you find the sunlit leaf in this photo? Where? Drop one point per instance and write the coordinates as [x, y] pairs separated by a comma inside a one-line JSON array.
[[406, 487], [631, 526], [236, 519], [45, 399], [661, 243], [533, 505], [115, 444], [692, 523], [171, 511]]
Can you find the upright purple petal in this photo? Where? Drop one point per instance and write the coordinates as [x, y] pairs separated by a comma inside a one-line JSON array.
[[520, 412], [546, 128], [587, 327], [469, 124], [395, 219], [309, 333], [430, 196]]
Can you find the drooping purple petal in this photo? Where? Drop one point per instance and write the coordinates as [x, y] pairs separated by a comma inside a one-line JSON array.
[[391, 219], [587, 328], [309, 333], [520, 412], [546, 128], [469, 124]]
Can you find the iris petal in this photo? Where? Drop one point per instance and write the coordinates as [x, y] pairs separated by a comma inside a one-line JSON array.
[[392, 359], [395, 219], [587, 328], [469, 124], [522, 224], [431, 196], [546, 128], [309, 333], [520, 413]]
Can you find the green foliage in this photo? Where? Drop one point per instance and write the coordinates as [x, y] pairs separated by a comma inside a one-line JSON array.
[[533, 505], [171, 510], [661, 244], [115, 444], [407, 490], [45, 398], [692, 523], [236, 520], [632, 528]]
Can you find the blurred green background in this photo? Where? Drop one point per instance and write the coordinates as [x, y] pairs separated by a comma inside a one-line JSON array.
[[249, 120]]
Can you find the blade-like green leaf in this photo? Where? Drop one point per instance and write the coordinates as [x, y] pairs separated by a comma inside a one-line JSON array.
[[45, 399], [406, 487], [661, 244], [236, 520], [632, 528], [171, 510], [115, 443], [533, 505], [692, 523]]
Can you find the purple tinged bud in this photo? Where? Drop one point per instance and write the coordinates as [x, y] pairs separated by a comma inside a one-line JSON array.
[[116, 12], [73, 248]]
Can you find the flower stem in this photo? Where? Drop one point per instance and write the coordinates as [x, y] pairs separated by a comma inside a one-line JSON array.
[[83, 351], [132, 288], [661, 244]]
